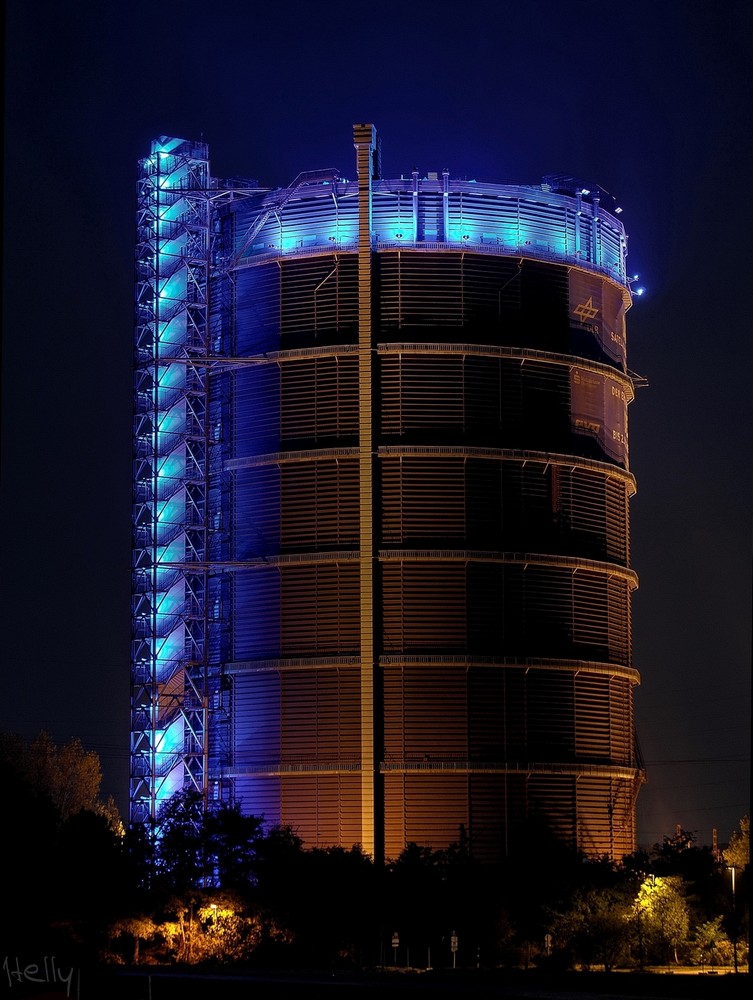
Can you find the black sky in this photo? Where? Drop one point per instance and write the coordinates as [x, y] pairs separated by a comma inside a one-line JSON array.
[[652, 101]]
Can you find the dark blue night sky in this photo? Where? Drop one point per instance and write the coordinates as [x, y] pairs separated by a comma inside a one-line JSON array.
[[652, 101]]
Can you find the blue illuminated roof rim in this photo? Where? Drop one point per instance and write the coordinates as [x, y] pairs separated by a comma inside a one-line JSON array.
[[420, 246]]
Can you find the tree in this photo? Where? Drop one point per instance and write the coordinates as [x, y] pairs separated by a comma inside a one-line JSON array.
[[660, 917], [231, 842], [200, 927], [198, 847], [737, 858], [136, 929], [737, 854], [68, 773], [179, 837], [336, 910], [595, 927], [699, 868], [680, 855], [60, 841], [709, 945], [91, 871], [227, 931], [27, 845]]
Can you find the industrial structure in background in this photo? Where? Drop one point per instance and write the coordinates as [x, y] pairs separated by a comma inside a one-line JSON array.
[[382, 578]]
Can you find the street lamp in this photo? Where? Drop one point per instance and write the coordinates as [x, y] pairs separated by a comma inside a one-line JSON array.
[[734, 917]]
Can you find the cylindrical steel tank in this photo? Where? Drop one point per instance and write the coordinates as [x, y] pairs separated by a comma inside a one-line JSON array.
[[420, 511]]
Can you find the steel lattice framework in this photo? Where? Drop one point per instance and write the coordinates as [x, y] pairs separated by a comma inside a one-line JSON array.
[[382, 565], [169, 675]]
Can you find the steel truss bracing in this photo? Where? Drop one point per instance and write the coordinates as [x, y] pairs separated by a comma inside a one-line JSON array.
[[170, 683]]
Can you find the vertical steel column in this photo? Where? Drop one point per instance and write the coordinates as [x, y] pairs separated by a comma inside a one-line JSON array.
[[595, 242], [364, 140], [445, 205], [195, 570], [414, 204]]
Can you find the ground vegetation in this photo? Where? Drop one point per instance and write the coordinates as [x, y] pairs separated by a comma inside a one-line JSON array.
[[208, 885]]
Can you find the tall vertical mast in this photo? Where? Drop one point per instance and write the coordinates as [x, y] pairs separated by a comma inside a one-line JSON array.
[[364, 139]]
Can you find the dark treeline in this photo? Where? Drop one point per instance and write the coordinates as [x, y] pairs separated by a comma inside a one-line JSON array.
[[217, 886]]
